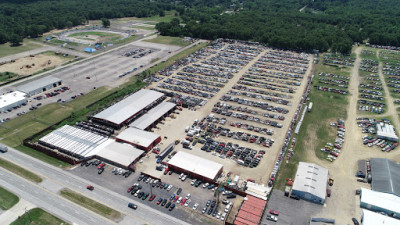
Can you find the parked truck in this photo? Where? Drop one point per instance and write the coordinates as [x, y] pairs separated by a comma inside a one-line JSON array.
[[310, 107]]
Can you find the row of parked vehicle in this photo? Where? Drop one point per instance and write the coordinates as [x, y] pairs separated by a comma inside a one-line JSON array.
[[368, 126], [338, 59]]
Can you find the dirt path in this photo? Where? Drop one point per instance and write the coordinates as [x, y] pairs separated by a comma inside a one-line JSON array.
[[391, 108]]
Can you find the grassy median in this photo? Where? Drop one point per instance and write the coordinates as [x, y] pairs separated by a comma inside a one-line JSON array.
[[91, 204], [38, 216], [7, 199], [20, 171]]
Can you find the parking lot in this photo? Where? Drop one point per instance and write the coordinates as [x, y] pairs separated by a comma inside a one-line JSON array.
[[120, 184]]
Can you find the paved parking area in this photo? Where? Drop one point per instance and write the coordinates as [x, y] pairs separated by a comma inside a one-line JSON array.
[[120, 184], [291, 211]]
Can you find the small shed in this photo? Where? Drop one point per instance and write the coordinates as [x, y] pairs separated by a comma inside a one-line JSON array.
[[90, 50]]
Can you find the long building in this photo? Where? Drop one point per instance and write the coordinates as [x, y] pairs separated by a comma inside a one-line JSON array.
[[11, 100], [41, 85], [310, 182], [386, 131], [380, 202], [139, 138], [148, 120], [195, 166], [124, 111]]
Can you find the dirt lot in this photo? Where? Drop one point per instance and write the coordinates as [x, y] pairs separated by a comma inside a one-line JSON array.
[[29, 65], [173, 130]]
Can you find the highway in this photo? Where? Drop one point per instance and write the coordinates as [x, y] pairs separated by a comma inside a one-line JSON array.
[[45, 195]]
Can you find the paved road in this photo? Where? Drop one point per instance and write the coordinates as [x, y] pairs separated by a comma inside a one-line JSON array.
[[56, 179], [49, 201]]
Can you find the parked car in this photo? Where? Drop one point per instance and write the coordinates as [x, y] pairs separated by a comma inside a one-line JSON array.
[[90, 188], [355, 221], [274, 212], [132, 206], [272, 218], [171, 207]]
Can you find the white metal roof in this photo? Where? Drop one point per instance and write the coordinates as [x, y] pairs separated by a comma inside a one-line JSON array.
[[151, 116], [390, 202], [257, 190], [37, 84], [311, 178], [138, 137], [121, 153], [386, 130], [11, 98], [74, 140], [122, 110], [196, 164], [372, 218]]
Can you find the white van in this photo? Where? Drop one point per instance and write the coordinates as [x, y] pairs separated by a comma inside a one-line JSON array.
[[3, 148]]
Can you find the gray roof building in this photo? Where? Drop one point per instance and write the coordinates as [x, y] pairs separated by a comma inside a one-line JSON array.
[[128, 107], [153, 115], [385, 176], [40, 85]]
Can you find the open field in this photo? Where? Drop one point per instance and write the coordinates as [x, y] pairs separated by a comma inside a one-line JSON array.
[[6, 49], [7, 199], [91, 204], [95, 36], [38, 216], [39, 62], [169, 41], [20, 171], [169, 15]]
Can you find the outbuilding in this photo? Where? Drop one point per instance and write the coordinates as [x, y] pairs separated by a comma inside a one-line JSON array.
[[310, 182], [41, 85], [148, 120], [195, 166], [119, 154], [386, 131], [12, 100], [372, 218], [139, 138]]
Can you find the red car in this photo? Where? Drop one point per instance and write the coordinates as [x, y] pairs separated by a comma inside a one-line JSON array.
[[130, 189], [183, 201], [166, 171], [274, 212], [101, 166], [90, 188], [229, 173], [176, 198], [152, 197]]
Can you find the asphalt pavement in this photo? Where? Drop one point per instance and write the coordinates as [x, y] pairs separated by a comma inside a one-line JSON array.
[[56, 179]]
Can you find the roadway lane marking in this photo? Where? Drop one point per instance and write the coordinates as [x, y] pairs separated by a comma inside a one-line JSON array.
[[59, 196]]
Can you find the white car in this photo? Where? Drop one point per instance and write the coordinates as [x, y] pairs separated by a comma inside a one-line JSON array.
[[136, 194], [193, 182], [272, 218], [205, 185], [180, 176], [218, 215], [195, 206], [223, 216], [169, 187], [188, 196], [188, 202], [179, 200], [184, 177]]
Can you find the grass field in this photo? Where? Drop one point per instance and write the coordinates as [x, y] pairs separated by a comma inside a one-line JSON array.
[[38, 216], [7, 199], [20, 171], [327, 107], [6, 49], [169, 15], [100, 34], [145, 27], [169, 41], [91, 204], [7, 76]]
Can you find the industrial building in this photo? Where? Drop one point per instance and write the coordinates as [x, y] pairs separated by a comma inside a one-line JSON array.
[[41, 85], [148, 120], [141, 139], [11, 100], [118, 154], [386, 131], [251, 211], [73, 141], [372, 218], [385, 176], [126, 110], [380, 202], [257, 190], [310, 182], [195, 166]]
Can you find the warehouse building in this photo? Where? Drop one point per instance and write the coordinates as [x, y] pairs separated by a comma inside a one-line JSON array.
[[310, 182], [148, 120], [119, 154], [372, 218], [385, 176], [73, 141], [386, 131], [12, 100], [257, 190], [126, 110], [195, 166], [141, 139], [380, 202], [41, 85]]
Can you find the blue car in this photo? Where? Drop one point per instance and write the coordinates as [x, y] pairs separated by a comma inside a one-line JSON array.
[[172, 197], [172, 207]]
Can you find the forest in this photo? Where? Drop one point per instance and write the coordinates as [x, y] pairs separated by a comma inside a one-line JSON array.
[[291, 24]]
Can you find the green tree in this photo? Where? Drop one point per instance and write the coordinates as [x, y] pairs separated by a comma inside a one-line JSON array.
[[105, 22], [15, 40], [162, 13]]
